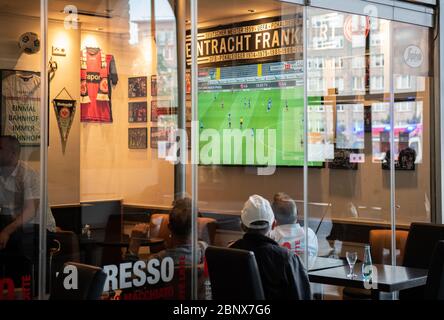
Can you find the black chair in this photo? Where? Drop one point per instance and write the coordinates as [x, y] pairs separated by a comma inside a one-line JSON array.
[[234, 274], [64, 247], [434, 289], [91, 281], [418, 253], [68, 248], [112, 254]]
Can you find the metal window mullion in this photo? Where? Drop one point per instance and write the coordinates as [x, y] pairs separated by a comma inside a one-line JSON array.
[[194, 147], [180, 166], [392, 154], [305, 187], [43, 149], [439, 216]]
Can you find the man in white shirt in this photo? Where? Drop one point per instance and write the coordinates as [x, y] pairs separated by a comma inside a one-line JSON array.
[[290, 234], [19, 195]]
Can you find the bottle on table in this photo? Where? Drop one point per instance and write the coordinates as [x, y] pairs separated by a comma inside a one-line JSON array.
[[367, 264]]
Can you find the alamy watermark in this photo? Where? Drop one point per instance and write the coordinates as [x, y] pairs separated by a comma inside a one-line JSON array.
[[255, 147]]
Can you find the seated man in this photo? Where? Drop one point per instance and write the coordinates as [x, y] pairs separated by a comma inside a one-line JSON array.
[[288, 233], [19, 208], [19, 201], [282, 273]]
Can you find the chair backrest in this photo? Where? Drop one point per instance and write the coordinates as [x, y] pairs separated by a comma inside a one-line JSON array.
[[419, 247], [434, 289], [380, 242], [69, 247], [234, 274], [113, 233], [207, 229], [420, 244], [91, 280], [159, 227]]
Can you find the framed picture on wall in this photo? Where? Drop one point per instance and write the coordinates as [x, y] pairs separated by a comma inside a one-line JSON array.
[[137, 112], [161, 135], [188, 82], [20, 106], [137, 87], [154, 85], [342, 159], [406, 160], [160, 108], [188, 111], [137, 138]]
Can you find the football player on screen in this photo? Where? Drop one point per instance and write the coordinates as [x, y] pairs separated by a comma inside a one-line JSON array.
[[269, 104]]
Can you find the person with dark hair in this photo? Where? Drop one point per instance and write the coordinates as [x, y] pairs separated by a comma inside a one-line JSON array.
[[179, 249], [288, 233], [282, 273], [179, 244], [19, 207], [19, 196], [179, 224]]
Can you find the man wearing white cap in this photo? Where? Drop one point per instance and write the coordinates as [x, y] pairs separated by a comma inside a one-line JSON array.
[[282, 273]]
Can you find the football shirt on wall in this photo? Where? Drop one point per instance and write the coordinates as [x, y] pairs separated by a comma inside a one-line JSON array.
[[21, 94], [95, 92]]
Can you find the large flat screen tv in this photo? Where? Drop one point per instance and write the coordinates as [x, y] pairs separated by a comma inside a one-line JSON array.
[[252, 115]]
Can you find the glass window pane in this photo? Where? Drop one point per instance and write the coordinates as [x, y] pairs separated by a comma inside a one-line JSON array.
[[250, 108], [20, 146], [114, 109], [350, 194], [412, 112]]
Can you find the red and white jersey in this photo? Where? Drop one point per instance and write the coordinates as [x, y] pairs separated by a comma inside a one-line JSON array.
[[94, 92], [292, 236]]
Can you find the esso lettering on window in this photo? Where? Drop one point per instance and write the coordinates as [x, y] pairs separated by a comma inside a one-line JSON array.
[[137, 274]]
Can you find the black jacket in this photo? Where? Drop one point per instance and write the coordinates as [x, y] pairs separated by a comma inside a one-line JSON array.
[[283, 274]]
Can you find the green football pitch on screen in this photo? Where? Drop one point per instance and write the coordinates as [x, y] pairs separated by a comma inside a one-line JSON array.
[[260, 115]]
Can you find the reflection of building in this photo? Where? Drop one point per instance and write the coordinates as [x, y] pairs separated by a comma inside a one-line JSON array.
[[350, 126], [337, 52], [349, 53], [320, 124], [408, 127], [165, 43]]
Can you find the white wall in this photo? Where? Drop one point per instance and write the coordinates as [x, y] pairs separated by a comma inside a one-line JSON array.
[[110, 170]]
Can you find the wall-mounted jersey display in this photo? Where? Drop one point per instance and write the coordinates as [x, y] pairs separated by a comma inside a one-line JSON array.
[[98, 72], [20, 92]]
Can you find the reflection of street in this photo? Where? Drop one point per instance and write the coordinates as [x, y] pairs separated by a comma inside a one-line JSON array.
[[350, 126]]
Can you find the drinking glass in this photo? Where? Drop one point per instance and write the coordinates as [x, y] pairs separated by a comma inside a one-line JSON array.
[[351, 259]]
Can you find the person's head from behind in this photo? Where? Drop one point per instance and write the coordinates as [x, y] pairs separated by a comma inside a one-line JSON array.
[[285, 209], [180, 219], [9, 151], [257, 215]]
